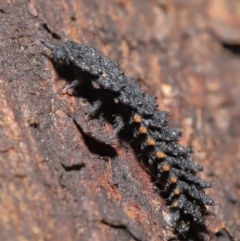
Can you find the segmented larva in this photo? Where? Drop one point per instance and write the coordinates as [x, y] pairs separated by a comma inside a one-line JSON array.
[[166, 159]]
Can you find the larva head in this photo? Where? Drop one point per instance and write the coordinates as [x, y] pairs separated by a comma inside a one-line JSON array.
[[61, 54]]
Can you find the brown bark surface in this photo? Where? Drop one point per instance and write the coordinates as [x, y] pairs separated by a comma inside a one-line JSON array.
[[54, 183]]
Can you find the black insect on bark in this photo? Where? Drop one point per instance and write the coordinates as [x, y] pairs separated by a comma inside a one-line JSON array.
[[158, 143]]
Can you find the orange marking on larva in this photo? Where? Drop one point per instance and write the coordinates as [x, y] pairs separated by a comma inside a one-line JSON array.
[[176, 191], [137, 118], [116, 100], [175, 204], [143, 130], [151, 142], [166, 168], [104, 74], [160, 155], [173, 180], [95, 85]]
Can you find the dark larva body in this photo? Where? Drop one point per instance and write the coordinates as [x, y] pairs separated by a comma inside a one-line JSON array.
[[158, 143]]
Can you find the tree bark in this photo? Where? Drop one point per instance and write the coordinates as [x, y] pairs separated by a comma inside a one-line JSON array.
[[59, 183]]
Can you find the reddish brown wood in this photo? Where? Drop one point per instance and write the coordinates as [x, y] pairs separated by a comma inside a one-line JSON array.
[[53, 185]]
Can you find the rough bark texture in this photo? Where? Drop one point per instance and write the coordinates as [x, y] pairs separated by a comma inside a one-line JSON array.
[[54, 183]]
